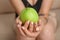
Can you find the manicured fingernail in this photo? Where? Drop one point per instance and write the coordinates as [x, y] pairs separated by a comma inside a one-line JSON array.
[[31, 22]]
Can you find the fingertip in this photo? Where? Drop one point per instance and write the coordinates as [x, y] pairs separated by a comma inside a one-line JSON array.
[[32, 23], [23, 28], [37, 29], [18, 25], [16, 20], [31, 27], [20, 22], [26, 24], [36, 23]]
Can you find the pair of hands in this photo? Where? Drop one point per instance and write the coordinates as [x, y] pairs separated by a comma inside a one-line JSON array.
[[32, 30]]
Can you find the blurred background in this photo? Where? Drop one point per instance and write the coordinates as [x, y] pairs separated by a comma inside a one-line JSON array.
[[7, 18]]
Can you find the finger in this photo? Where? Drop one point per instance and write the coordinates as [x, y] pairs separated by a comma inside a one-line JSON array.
[[26, 31], [26, 24], [40, 25], [35, 25], [31, 27], [43, 21], [30, 34], [38, 29], [20, 30], [18, 21], [40, 22]]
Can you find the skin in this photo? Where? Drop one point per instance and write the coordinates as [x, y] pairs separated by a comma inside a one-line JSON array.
[[23, 33], [28, 31], [46, 6]]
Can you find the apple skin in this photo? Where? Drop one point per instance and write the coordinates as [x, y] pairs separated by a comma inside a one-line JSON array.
[[29, 14]]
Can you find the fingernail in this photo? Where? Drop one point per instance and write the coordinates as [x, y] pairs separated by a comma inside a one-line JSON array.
[[31, 22]]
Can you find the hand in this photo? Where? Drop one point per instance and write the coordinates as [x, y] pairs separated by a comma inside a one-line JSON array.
[[48, 33], [28, 31]]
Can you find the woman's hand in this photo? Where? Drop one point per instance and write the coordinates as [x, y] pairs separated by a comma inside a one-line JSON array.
[[28, 31]]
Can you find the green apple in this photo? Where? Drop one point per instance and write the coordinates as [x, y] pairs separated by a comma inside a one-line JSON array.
[[29, 14]]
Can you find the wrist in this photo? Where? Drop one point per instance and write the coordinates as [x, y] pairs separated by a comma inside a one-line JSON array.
[[44, 17]]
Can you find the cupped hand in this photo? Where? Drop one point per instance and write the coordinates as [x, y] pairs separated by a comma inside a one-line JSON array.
[[28, 30]]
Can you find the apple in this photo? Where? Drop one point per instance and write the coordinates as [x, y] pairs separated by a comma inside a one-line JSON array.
[[29, 14]]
